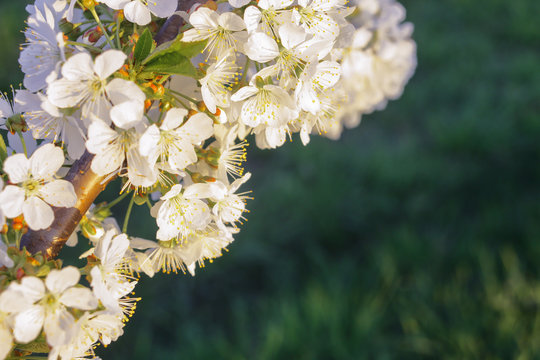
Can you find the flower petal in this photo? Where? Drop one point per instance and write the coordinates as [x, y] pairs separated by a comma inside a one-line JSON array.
[[12, 200], [137, 13], [17, 167], [28, 324], [80, 298], [163, 8], [37, 213], [59, 193], [108, 62], [59, 280], [46, 161]]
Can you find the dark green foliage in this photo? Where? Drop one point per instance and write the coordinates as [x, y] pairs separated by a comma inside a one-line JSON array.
[[416, 236]]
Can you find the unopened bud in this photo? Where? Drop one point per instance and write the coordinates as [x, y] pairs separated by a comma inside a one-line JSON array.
[[94, 34], [119, 16], [211, 5], [88, 4]]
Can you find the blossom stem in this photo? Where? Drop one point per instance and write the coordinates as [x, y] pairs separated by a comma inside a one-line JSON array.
[[23, 143], [117, 200], [128, 213], [90, 47], [100, 24], [118, 44], [149, 204], [184, 96]]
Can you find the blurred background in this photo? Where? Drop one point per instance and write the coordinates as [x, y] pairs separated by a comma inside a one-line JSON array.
[[416, 236]]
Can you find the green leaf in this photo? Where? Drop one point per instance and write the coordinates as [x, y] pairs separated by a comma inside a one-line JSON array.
[[173, 57], [177, 46], [171, 63], [143, 47]]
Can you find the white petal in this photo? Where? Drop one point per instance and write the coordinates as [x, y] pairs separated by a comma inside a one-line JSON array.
[[137, 13], [116, 250], [199, 127], [108, 62], [31, 288], [37, 213], [17, 167], [261, 47], [58, 327], [78, 67], [120, 90], [148, 143], [59, 280], [11, 201], [66, 93], [6, 341], [252, 18], [239, 3], [100, 136], [174, 118], [80, 298], [163, 8], [28, 324], [59, 193], [140, 173], [46, 161], [127, 114], [116, 4], [232, 22], [204, 18], [244, 93]]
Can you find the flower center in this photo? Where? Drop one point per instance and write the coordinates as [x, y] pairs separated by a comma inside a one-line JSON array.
[[31, 187]]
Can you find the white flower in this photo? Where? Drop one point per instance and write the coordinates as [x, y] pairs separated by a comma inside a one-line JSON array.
[[173, 142], [37, 188], [112, 147], [139, 11], [224, 32], [202, 246], [165, 256], [85, 84], [49, 303], [316, 78], [267, 16], [44, 48], [49, 122], [265, 104], [316, 17], [111, 279], [179, 214], [217, 84], [229, 206]]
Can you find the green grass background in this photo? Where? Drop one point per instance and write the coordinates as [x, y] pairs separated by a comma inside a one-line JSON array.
[[416, 236]]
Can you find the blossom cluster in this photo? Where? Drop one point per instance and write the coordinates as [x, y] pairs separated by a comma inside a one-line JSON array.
[[171, 120]]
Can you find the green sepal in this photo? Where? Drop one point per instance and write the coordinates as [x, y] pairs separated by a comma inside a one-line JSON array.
[[38, 346], [144, 46]]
